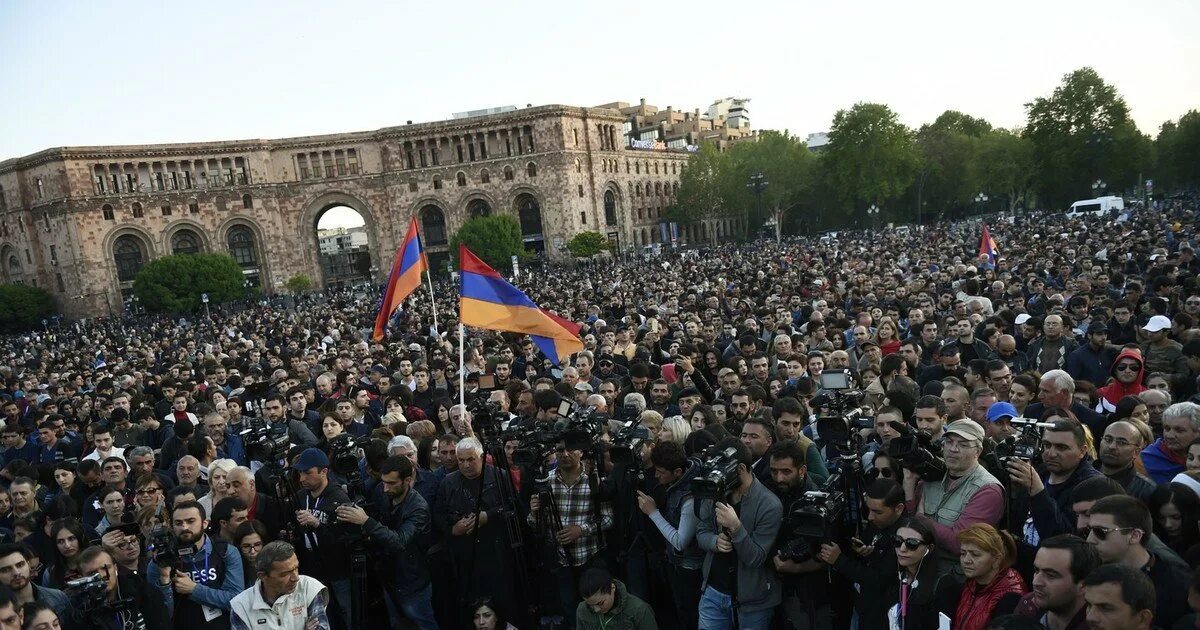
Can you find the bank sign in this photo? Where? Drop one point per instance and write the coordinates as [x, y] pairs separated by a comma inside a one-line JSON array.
[[658, 145]]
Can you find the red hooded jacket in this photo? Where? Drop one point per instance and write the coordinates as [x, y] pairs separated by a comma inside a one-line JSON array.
[[1115, 390]]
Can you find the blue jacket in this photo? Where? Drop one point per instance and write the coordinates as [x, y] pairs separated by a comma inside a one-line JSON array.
[[1159, 467], [233, 449], [1086, 363], [205, 595]]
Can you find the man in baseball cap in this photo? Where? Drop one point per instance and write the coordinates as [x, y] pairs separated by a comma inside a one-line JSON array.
[[322, 551], [1163, 354], [999, 417]]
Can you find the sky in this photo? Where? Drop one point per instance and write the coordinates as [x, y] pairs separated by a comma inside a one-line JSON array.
[[117, 72]]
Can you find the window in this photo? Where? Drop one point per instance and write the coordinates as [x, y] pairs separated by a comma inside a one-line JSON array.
[[315, 162], [478, 208], [657, 187], [107, 211], [241, 246], [97, 183], [352, 158], [328, 161], [529, 213], [484, 176], [341, 163], [53, 255], [437, 183], [412, 186], [166, 211], [193, 206], [62, 288], [610, 208], [46, 220], [581, 190], [128, 256], [41, 189], [458, 149], [508, 173], [433, 223], [576, 136], [421, 154], [461, 178], [158, 183], [583, 217], [435, 154], [4, 201], [247, 202], [185, 242], [639, 190], [578, 166], [27, 257], [531, 169], [137, 210]]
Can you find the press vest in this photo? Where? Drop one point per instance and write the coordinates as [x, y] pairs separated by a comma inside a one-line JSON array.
[[209, 571]]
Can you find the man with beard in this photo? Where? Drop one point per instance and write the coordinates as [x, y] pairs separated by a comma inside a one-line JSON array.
[[1065, 464], [15, 573], [401, 529], [660, 399], [805, 589], [1091, 361], [298, 431], [758, 435], [1162, 353], [957, 400], [1118, 449], [197, 591], [950, 364], [677, 524], [1059, 568], [1050, 352]]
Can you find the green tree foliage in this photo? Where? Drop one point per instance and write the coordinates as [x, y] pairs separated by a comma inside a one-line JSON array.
[[872, 157], [701, 193], [1178, 148], [1005, 167], [587, 244], [23, 307], [1081, 133], [948, 146], [299, 283], [174, 284], [787, 166], [495, 240]]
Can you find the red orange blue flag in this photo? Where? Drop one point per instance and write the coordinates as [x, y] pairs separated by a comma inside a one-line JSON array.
[[988, 247], [489, 301], [405, 277]]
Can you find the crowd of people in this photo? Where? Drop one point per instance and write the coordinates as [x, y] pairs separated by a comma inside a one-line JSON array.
[[1013, 440]]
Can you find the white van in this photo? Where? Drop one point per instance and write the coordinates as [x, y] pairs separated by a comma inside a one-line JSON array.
[[1099, 205]]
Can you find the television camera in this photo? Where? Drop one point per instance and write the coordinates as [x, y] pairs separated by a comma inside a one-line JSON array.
[[917, 451]]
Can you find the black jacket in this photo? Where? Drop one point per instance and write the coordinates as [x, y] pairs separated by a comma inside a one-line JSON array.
[[403, 532], [872, 573], [328, 560], [144, 601]]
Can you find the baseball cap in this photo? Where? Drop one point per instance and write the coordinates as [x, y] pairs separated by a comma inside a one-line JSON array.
[[414, 347], [965, 428], [1097, 327], [1022, 318], [1157, 323], [1001, 410], [311, 458], [583, 387]]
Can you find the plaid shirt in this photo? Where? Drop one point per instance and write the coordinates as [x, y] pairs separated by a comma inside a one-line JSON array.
[[574, 503]]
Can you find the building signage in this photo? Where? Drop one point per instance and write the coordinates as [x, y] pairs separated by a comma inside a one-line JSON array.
[[658, 145]]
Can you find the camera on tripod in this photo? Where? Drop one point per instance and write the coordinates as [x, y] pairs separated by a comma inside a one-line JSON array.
[[839, 409], [915, 450], [627, 442], [816, 517], [717, 476], [343, 454], [1025, 445], [264, 441]]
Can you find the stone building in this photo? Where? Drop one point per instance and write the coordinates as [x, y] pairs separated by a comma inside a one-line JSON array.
[[81, 221]]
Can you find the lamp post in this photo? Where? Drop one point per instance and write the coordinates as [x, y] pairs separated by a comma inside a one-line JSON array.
[[204, 298], [1098, 187], [872, 214], [757, 184], [981, 199]]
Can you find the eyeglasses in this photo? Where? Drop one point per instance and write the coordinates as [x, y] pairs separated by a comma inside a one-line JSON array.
[[251, 546], [1122, 442], [1102, 532], [910, 543], [148, 491], [1128, 367]]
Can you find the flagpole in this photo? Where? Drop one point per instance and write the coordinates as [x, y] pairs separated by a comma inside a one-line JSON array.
[[432, 302], [462, 374]]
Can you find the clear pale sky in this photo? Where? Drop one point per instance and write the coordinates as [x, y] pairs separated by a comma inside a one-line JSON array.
[[113, 72]]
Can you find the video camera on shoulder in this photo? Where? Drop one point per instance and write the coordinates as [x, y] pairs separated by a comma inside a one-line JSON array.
[[1025, 445], [717, 476], [265, 442], [89, 593], [917, 451], [816, 517]]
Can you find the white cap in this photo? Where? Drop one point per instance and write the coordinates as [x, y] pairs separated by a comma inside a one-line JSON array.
[[1157, 323], [1022, 318]]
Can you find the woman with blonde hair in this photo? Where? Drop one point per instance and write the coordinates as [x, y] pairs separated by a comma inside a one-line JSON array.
[[674, 429], [218, 486], [993, 587]]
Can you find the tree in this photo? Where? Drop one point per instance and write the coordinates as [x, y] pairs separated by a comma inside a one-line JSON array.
[[701, 195], [871, 156], [587, 244], [23, 307], [1178, 148], [1005, 166], [786, 165], [174, 284], [1082, 133], [299, 283], [947, 179], [495, 240]]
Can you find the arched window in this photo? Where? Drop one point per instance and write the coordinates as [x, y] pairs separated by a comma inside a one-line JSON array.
[[478, 208], [639, 190], [137, 210], [610, 208], [508, 173], [433, 223], [675, 188], [637, 168], [529, 211], [129, 257], [657, 187], [185, 242], [578, 166], [531, 169], [107, 210], [485, 177], [437, 182], [247, 202], [241, 246], [461, 177]]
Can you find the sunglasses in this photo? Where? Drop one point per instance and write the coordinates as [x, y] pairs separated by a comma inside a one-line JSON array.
[[1102, 532], [1128, 367], [910, 543]]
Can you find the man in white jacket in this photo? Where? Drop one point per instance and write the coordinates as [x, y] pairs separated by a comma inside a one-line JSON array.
[[281, 598]]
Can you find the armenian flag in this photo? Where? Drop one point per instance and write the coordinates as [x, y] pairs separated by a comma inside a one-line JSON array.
[[489, 301], [988, 247], [406, 273]]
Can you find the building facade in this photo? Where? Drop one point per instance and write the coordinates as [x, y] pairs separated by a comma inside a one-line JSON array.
[[81, 221]]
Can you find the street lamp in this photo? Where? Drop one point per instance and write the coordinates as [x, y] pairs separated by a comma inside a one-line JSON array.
[[872, 214], [1098, 186], [981, 199], [757, 184], [204, 298]]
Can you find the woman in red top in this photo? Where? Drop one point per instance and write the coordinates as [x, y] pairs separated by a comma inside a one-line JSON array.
[[993, 588], [887, 336]]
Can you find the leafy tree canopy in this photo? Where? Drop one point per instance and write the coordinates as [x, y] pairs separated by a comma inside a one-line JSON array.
[[495, 240], [174, 284]]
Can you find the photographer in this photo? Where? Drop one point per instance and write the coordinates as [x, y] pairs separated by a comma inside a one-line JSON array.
[[805, 583], [737, 534], [1046, 497], [577, 515], [677, 524], [322, 549], [400, 528], [298, 432], [129, 603], [204, 573], [967, 495]]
